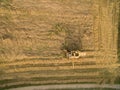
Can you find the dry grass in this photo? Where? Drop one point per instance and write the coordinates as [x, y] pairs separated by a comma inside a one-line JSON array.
[[27, 44], [28, 32]]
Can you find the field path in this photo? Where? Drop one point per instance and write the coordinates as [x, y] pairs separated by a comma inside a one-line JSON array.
[[68, 86]]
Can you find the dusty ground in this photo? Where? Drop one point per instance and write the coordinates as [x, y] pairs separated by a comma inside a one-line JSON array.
[[70, 87]]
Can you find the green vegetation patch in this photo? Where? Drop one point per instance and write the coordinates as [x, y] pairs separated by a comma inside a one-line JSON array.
[[6, 4]]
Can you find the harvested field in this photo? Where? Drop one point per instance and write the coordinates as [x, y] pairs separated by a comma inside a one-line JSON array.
[[37, 35]]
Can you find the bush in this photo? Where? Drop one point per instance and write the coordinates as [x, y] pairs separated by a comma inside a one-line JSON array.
[[6, 4]]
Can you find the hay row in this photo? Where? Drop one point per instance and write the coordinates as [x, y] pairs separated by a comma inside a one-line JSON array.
[[60, 68], [27, 61], [50, 82], [28, 76]]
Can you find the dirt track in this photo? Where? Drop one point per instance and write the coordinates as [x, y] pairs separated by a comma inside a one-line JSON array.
[[68, 86]]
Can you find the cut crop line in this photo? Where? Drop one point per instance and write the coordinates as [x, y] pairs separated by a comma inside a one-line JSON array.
[[50, 82], [26, 62], [92, 74], [60, 68], [18, 12]]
